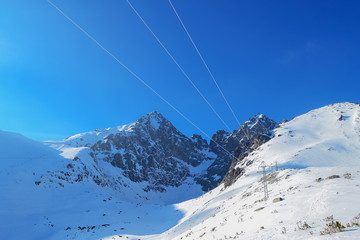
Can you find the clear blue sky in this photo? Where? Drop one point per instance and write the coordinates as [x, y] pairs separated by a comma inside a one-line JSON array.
[[280, 58]]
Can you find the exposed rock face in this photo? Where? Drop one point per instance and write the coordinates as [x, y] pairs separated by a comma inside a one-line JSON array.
[[252, 133], [258, 124], [153, 152], [235, 172]]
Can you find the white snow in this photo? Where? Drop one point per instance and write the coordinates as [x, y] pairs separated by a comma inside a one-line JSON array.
[[45, 211], [312, 146]]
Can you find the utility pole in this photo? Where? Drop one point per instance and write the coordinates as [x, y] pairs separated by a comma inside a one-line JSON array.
[[266, 193]]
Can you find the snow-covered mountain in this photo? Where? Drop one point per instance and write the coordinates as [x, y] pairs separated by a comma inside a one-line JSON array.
[[116, 178], [151, 158], [96, 185], [147, 160], [47, 194], [314, 193]]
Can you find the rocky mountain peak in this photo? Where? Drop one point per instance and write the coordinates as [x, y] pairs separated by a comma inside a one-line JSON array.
[[257, 124], [256, 118], [199, 142], [154, 119], [151, 151], [251, 134], [259, 119], [153, 122], [244, 136]]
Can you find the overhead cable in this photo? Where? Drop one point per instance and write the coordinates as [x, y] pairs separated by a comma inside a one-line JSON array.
[[177, 64], [206, 66], [136, 76]]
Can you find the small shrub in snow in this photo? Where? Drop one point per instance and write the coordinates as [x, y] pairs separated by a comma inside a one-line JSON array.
[[303, 225], [355, 221], [332, 227], [355, 224], [329, 218]]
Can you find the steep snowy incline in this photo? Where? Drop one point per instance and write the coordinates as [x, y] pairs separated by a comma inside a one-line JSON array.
[[44, 195], [317, 184], [328, 136]]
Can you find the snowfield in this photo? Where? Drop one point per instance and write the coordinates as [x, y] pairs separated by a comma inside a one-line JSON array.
[[317, 184], [308, 150]]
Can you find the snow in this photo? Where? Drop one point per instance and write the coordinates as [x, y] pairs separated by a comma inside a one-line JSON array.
[[255, 120], [71, 152], [91, 137], [155, 122], [312, 146], [44, 211]]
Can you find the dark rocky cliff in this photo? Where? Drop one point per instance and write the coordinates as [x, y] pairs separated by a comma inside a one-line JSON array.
[[153, 152]]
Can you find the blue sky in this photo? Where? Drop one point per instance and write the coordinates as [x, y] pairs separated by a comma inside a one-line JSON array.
[[280, 58]]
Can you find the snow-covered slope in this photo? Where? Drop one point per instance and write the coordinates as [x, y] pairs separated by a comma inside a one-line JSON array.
[[61, 191], [44, 195], [92, 185], [318, 181]]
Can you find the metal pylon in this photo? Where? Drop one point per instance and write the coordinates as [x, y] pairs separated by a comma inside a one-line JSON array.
[[263, 166]]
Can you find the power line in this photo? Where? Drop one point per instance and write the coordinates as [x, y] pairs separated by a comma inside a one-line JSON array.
[[177, 64], [136, 76], [202, 59], [210, 73], [181, 69]]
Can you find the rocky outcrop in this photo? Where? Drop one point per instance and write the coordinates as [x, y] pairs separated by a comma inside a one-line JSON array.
[[253, 133], [234, 147], [153, 152]]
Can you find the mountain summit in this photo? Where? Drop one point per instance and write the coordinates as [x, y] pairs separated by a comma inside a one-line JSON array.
[[153, 154], [153, 120]]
